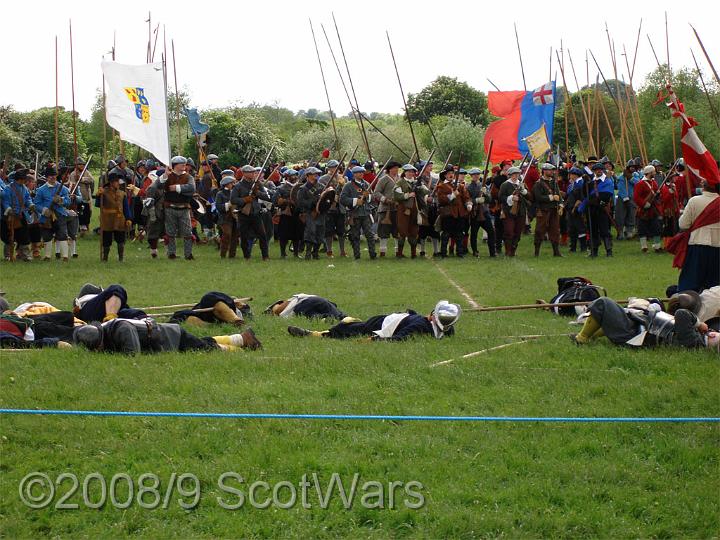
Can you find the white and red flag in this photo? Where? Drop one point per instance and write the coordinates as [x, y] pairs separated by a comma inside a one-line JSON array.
[[698, 159]]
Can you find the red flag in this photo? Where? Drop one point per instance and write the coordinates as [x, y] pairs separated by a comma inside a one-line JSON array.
[[325, 153], [698, 158]]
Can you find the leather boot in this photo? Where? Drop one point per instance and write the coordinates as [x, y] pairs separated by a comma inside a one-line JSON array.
[[538, 245], [121, 252], [400, 248], [105, 253], [308, 250], [556, 250], [413, 251], [607, 242], [583, 244]]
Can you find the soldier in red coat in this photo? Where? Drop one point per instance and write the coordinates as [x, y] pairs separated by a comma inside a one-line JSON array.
[[646, 198], [670, 207]]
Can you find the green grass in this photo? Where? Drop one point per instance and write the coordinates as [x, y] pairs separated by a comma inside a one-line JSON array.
[[480, 479]]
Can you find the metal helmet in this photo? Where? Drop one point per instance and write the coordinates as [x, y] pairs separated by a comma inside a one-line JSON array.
[[178, 160], [211, 157], [446, 314], [191, 162]]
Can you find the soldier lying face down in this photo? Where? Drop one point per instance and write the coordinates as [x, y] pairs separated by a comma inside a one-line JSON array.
[[305, 305]]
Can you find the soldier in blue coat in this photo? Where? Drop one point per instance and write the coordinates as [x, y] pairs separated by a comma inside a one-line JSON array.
[[52, 200], [355, 196], [18, 210]]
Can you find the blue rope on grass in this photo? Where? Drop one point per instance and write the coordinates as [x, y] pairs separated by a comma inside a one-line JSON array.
[[288, 416]]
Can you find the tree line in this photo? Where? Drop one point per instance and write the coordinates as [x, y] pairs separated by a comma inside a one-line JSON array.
[[448, 115]]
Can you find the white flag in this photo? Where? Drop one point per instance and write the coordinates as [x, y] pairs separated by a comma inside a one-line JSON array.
[[135, 105]]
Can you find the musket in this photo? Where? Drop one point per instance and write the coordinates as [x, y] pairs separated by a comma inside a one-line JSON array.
[[247, 208], [444, 167], [487, 164], [77, 183], [378, 176], [329, 183], [514, 209], [419, 182]]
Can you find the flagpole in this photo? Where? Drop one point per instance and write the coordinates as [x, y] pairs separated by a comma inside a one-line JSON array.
[[177, 99], [167, 116], [522, 68]]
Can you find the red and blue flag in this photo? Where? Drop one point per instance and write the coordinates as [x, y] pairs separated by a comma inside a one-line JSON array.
[[521, 114]]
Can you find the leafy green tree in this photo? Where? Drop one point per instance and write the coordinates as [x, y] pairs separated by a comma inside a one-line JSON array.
[[236, 134], [464, 140], [450, 97]]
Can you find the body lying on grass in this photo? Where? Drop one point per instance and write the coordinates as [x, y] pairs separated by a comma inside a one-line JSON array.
[[643, 323], [393, 327], [39, 325], [306, 305]]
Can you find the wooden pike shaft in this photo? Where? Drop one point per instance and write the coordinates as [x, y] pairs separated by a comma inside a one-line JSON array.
[[478, 353], [57, 106], [181, 306], [72, 87], [352, 87], [402, 93], [327, 95], [568, 101], [582, 105], [540, 306], [383, 134], [707, 94], [342, 81], [707, 57]]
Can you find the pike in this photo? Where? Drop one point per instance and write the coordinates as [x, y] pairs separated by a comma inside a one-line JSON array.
[[402, 92], [72, 87], [327, 95], [57, 108], [707, 94], [582, 106], [246, 209], [342, 81], [432, 132], [352, 86], [444, 167], [707, 57], [522, 69], [81, 175], [383, 134], [568, 100], [540, 306]]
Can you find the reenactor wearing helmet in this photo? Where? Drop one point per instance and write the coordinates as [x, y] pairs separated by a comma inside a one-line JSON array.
[[480, 214], [308, 202], [335, 217], [409, 195], [225, 218], [178, 188], [355, 197], [393, 327], [114, 215], [121, 169], [290, 228], [53, 202], [383, 195], [546, 195], [245, 196]]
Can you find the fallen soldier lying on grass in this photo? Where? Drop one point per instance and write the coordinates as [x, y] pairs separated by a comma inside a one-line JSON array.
[[132, 336], [392, 327], [306, 305], [644, 324], [225, 309]]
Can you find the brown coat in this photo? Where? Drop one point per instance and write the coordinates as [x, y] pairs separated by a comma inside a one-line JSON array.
[[455, 207], [112, 214]]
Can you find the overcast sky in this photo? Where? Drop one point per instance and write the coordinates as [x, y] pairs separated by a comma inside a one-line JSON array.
[[243, 52]]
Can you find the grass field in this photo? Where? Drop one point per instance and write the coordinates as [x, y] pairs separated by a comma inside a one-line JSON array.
[[478, 479]]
